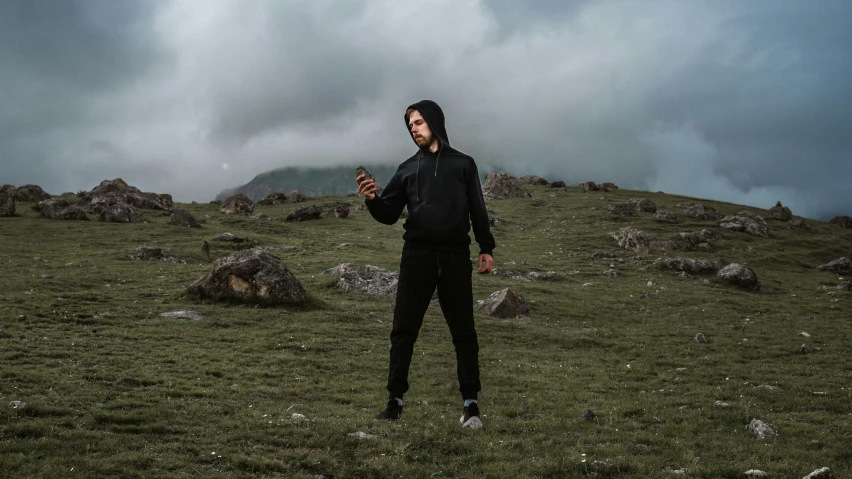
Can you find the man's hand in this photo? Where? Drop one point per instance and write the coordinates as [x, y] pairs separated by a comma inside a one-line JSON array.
[[486, 263], [366, 187]]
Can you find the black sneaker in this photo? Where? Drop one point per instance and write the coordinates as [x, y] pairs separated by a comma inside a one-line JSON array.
[[470, 417], [392, 412]]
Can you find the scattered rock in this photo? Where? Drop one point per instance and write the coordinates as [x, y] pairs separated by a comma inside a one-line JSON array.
[[515, 275], [804, 334], [194, 315], [7, 200], [700, 338], [296, 197], [768, 387], [59, 209], [365, 279], [262, 216], [807, 348], [634, 239], [643, 205], [547, 276], [538, 202], [534, 180], [780, 212], [821, 473], [339, 211], [17, 404], [841, 221], [237, 205], [31, 194], [120, 213], [695, 265], [845, 286], [665, 216], [153, 253], [610, 273], [113, 192], [840, 265], [273, 199], [473, 423], [558, 184], [608, 186], [503, 185], [746, 221], [253, 275], [504, 304], [800, 225], [587, 415], [493, 220], [231, 238], [699, 211], [704, 236], [755, 473], [721, 404], [589, 186], [182, 217], [305, 213], [296, 415], [739, 274], [622, 209], [362, 435], [760, 429]]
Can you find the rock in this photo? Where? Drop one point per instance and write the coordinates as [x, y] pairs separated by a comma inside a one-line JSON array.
[[182, 217], [362, 435], [841, 221], [194, 315], [538, 202], [253, 275], [273, 199], [821, 473], [295, 197], [610, 273], [262, 216], [493, 220], [804, 334], [58, 209], [534, 180], [845, 286], [547, 276], [840, 265], [694, 265], [153, 253], [755, 473], [704, 236], [739, 274], [780, 212], [507, 273], [365, 279], [721, 404], [31, 194], [760, 429], [7, 200], [643, 205], [665, 216], [472, 423], [587, 415], [215, 203], [17, 404], [622, 209], [121, 213], [230, 238], [237, 205], [768, 387], [800, 225], [361, 207], [305, 213], [296, 415], [807, 348], [699, 211], [339, 211], [589, 186], [608, 186], [503, 185], [112, 192], [634, 239], [504, 304], [700, 338], [558, 184], [748, 222]]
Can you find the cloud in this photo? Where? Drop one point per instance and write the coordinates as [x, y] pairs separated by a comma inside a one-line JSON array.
[[749, 101]]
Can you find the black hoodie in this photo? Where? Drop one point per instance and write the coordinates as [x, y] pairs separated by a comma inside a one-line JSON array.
[[442, 192]]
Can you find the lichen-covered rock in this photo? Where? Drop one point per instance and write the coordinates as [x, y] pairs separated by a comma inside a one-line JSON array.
[[59, 209], [740, 275], [699, 211], [7, 200], [643, 205], [31, 194], [800, 225], [295, 197], [229, 238], [780, 212], [503, 185], [622, 209], [273, 199], [694, 265], [840, 265], [748, 222], [589, 186], [761, 430], [665, 216], [558, 184], [821, 473], [182, 217], [339, 211], [153, 253], [305, 213], [121, 213], [252, 276], [504, 304], [112, 192], [634, 239], [365, 279], [841, 221], [534, 180], [704, 236], [237, 205]]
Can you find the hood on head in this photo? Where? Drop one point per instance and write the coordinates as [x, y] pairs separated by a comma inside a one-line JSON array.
[[434, 117]]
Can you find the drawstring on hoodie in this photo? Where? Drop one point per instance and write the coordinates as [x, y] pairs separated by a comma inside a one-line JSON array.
[[420, 157]]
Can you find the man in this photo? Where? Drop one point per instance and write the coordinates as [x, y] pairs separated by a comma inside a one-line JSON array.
[[440, 186]]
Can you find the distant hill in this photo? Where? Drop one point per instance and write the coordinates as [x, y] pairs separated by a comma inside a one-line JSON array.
[[339, 180]]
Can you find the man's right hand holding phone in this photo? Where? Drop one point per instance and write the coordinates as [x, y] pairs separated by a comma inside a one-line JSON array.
[[366, 186]]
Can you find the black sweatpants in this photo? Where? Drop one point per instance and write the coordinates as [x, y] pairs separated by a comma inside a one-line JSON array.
[[420, 271]]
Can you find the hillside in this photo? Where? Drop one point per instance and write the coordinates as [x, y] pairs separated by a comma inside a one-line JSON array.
[[309, 181], [113, 389]]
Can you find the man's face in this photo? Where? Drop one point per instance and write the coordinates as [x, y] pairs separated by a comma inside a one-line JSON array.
[[419, 129]]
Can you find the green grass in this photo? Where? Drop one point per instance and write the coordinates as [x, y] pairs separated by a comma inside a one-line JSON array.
[[114, 390]]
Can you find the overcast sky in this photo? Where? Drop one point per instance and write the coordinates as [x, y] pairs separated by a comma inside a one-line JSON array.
[[741, 101]]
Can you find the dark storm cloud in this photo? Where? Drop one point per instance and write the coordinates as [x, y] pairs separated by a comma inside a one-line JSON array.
[[739, 101]]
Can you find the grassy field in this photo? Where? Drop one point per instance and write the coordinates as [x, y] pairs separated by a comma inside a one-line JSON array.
[[112, 389]]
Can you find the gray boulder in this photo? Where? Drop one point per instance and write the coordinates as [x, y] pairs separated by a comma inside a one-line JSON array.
[[503, 185], [252, 276], [58, 209], [841, 221], [365, 279], [504, 304], [589, 186], [622, 209], [117, 191], [273, 199], [634, 239], [748, 222], [121, 213], [305, 213], [237, 205], [845, 286], [699, 211], [694, 265], [740, 275], [534, 180], [840, 265], [642, 205], [780, 212], [229, 238], [31, 194], [558, 184], [339, 211], [7, 200], [665, 216], [821, 473], [153, 253], [295, 197], [800, 225], [704, 236], [182, 217], [761, 430]]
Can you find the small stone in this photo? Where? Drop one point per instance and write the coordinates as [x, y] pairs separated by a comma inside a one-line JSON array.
[[587, 415], [473, 423], [722, 404], [650, 283], [587, 284], [804, 334], [46, 276], [807, 348], [821, 473], [700, 338], [761, 430], [297, 416], [768, 387], [755, 473], [17, 404], [362, 435], [183, 315]]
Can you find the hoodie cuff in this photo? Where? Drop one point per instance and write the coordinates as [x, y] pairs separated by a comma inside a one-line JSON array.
[[489, 253]]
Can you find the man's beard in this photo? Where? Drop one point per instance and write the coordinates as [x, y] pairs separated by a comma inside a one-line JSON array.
[[424, 142]]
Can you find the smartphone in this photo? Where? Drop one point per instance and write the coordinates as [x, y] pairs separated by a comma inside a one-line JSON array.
[[363, 171]]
